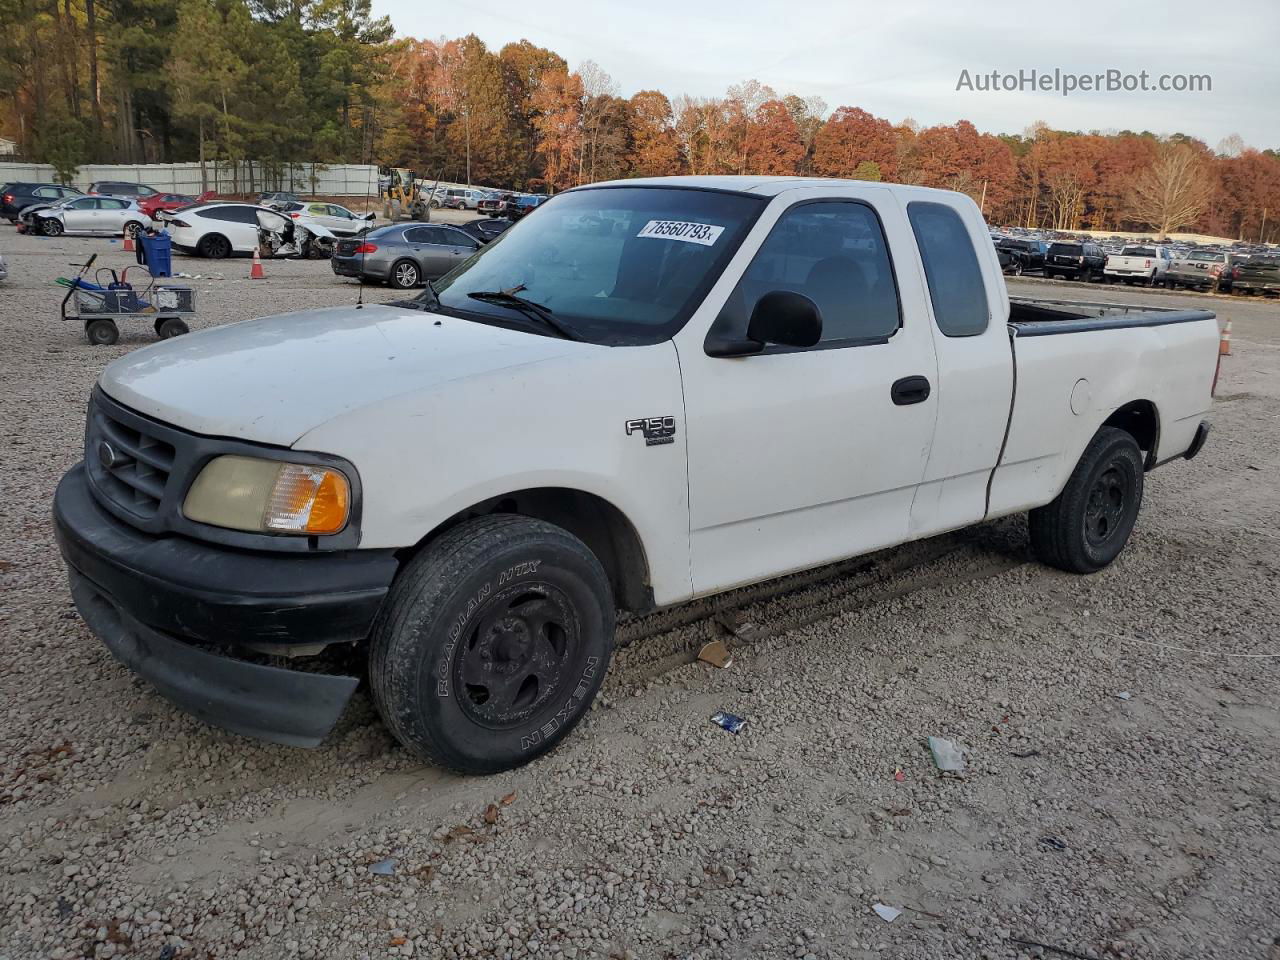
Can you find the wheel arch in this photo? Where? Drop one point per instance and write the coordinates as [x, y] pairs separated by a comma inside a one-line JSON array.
[[1141, 420], [603, 527]]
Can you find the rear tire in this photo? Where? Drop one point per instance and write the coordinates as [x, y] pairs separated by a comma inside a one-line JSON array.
[[133, 229], [492, 644], [1087, 525], [214, 246], [102, 333], [404, 275]]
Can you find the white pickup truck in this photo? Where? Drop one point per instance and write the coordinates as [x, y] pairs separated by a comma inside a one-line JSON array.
[[646, 391], [1137, 264]]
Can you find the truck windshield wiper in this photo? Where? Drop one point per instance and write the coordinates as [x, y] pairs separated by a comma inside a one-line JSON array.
[[530, 308]]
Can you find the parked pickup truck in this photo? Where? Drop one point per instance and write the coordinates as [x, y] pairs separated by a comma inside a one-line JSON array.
[[1259, 273], [652, 391], [1137, 265], [1200, 269]]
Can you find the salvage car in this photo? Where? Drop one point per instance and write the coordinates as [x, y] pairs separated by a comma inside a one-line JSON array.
[[654, 390], [485, 229], [89, 215], [214, 230], [403, 255], [122, 188], [333, 216]]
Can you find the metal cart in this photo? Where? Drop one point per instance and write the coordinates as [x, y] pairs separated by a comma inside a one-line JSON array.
[[100, 307]]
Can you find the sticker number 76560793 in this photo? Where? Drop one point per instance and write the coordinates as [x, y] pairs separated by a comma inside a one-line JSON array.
[[703, 233]]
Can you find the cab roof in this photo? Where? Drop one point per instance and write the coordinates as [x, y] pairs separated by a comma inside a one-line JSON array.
[[760, 185]]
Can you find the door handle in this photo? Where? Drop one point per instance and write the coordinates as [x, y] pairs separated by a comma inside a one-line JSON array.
[[910, 390]]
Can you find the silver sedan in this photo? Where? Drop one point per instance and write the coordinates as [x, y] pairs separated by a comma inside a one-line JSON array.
[[403, 254]]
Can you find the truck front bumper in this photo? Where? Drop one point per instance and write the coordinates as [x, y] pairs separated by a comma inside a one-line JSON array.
[[185, 615]]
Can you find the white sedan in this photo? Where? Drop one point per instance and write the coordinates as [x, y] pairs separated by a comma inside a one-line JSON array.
[[100, 216], [214, 230]]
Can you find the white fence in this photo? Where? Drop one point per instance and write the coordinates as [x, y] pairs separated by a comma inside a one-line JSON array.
[[248, 176]]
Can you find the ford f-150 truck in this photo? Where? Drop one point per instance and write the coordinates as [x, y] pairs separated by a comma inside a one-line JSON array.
[[645, 392]]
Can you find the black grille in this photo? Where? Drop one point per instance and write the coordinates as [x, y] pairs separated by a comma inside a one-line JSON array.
[[129, 465]]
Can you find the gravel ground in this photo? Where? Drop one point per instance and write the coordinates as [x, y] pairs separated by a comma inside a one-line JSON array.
[[1122, 795]]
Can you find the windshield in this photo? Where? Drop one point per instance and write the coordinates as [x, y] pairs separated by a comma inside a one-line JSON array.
[[614, 265]]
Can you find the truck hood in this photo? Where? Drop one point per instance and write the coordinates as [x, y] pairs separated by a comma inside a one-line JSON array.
[[274, 379]]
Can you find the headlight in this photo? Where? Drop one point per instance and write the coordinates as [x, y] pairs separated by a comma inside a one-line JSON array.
[[267, 496]]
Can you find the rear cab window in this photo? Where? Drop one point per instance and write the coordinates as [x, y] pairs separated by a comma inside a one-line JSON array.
[[951, 268]]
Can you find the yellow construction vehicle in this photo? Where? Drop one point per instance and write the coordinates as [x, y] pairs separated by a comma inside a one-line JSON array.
[[402, 196]]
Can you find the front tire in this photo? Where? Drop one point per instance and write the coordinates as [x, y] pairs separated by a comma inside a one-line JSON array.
[[102, 333], [1087, 525], [52, 227], [492, 644], [133, 229]]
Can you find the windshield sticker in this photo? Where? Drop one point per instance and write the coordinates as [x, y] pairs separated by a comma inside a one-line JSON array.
[[703, 233]]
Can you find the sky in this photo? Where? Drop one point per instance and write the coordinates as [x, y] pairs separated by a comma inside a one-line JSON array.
[[904, 58]]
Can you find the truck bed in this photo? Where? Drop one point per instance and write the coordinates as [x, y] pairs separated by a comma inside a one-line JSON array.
[[1033, 317]]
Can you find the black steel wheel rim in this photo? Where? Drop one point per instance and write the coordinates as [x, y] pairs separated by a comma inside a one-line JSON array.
[[1105, 509], [518, 655]]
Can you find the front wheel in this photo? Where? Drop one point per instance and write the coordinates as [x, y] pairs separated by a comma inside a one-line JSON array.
[[102, 333], [51, 227], [133, 229], [1087, 525], [492, 644], [170, 327]]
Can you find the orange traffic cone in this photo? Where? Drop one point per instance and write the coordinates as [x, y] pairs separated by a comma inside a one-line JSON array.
[[1224, 340], [128, 241], [256, 272]]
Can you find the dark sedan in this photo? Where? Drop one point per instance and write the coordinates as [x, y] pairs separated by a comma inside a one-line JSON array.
[[403, 254], [485, 230]]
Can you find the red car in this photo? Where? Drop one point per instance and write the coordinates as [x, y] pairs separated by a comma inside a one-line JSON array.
[[170, 201]]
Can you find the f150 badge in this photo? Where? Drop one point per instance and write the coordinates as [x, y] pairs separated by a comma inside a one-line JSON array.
[[656, 430]]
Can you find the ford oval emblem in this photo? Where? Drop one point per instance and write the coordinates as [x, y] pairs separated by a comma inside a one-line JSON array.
[[107, 455]]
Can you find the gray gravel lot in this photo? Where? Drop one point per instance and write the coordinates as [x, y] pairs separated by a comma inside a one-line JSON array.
[[1143, 827]]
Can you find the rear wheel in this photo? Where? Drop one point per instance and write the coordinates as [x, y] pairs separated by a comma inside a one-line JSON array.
[[214, 246], [1087, 525], [405, 274], [492, 644], [102, 333], [133, 229]]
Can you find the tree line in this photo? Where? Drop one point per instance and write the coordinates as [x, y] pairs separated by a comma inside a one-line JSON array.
[[283, 81]]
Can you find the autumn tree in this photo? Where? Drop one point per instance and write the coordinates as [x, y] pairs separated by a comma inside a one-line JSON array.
[[1173, 192], [773, 144], [654, 141], [852, 137], [557, 103]]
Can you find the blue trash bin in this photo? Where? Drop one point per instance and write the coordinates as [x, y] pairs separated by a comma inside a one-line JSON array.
[[157, 254]]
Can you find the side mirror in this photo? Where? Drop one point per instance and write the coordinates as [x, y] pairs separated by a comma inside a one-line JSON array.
[[370, 216], [781, 316], [787, 318]]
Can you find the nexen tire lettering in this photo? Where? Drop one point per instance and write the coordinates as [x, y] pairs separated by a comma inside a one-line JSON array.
[[549, 728]]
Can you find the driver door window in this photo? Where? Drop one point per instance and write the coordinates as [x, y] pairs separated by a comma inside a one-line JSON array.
[[833, 252]]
